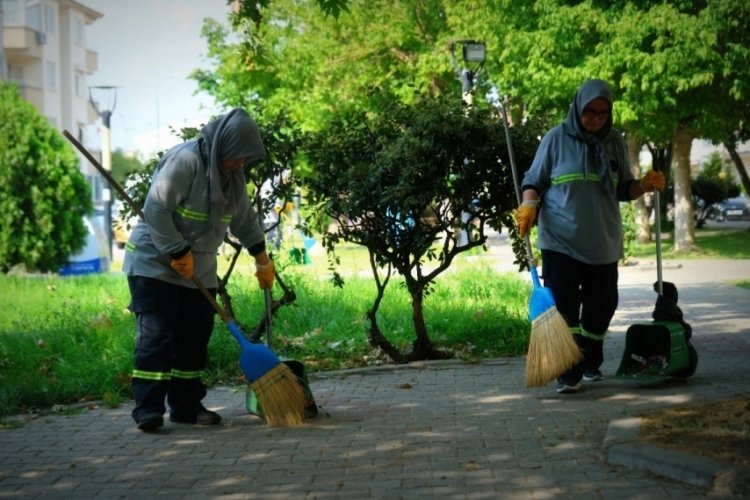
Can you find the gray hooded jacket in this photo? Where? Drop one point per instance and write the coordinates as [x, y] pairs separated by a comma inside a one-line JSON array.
[[581, 178], [192, 203]]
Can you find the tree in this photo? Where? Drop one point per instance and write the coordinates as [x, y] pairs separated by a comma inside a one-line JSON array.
[[712, 185], [43, 195], [124, 165], [311, 66], [681, 70], [733, 43], [254, 9], [397, 183]]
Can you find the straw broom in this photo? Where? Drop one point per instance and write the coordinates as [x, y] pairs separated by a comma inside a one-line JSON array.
[[552, 349], [275, 384], [277, 388]]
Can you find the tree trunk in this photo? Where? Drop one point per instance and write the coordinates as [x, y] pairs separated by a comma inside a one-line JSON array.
[[738, 165], [377, 339], [422, 348], [375, 335], [643, 234], [684, 222]]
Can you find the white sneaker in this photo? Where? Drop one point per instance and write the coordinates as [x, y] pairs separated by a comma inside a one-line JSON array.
[[563, 388], [592, 375]]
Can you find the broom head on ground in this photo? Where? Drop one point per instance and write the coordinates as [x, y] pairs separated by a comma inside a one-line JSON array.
[[552, 349], [278, 390]]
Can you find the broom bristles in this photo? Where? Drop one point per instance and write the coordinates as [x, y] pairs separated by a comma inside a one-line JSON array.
[[281, 397], [552, 349]]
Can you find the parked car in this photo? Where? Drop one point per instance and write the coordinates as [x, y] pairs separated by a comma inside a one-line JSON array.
[[734, 209]]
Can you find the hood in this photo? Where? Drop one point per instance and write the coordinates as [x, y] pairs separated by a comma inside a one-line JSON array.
[[229, 137], [590, 90]]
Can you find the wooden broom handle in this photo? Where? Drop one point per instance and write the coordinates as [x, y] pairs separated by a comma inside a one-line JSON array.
[[112, 182]]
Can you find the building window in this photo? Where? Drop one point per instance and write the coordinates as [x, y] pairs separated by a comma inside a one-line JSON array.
[[51, 75], [78, 31], [15, 73], [12, 12], [79, 85], [34, 17], [50, 24]]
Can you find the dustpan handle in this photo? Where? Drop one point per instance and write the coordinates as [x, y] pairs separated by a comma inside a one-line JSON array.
[[657, 229], [267, 301]]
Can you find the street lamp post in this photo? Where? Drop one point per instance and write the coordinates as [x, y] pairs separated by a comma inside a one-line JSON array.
[[474, 54], [106, 116]]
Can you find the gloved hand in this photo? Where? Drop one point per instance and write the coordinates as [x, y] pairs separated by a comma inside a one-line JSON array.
[[653, 180], [525, 216], [184, 265], [265, 274]]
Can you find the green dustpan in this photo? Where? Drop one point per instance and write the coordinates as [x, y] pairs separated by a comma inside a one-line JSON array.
[[654, 352]]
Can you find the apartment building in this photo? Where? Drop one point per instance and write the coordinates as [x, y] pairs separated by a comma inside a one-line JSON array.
[[45, 53]]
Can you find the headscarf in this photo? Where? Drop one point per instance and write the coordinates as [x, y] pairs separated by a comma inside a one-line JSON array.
[[596, 157], [229, 137]]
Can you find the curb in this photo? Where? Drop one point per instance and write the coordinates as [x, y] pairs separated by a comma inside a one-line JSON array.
[[622, 446]]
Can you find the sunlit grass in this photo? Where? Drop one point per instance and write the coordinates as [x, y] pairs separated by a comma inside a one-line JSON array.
[[711, 243], [68, 339]]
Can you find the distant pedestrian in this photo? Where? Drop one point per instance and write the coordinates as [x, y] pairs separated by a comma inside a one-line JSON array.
[[578, 177]]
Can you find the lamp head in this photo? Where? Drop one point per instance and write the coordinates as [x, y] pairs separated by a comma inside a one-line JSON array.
[[474, 52]]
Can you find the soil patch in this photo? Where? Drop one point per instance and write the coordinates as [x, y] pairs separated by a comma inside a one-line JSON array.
[[719, 430]]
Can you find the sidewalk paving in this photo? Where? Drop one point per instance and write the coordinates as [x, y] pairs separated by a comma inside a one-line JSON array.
[[436, 429]]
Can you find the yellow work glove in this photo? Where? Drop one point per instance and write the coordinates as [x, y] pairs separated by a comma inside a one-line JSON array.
[[653, 180], [525, 216], [184, 265], [265, 274]]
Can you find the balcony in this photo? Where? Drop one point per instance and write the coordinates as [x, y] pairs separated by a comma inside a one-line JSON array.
[[22, 44]]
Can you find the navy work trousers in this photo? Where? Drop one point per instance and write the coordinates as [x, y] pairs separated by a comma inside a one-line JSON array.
[[586, 295], [173, 325]]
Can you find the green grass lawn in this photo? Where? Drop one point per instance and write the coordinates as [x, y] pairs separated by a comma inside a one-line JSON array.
[[711, 243], [69, 339]]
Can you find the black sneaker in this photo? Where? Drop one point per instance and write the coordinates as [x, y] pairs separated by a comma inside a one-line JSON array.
[[565, 388], [592, 375], [150, 423], [203, 417]]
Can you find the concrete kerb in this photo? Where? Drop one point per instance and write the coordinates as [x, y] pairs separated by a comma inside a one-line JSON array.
[[623, 446]]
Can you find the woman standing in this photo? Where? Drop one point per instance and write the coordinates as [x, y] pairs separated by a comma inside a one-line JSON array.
[[578, 177]]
